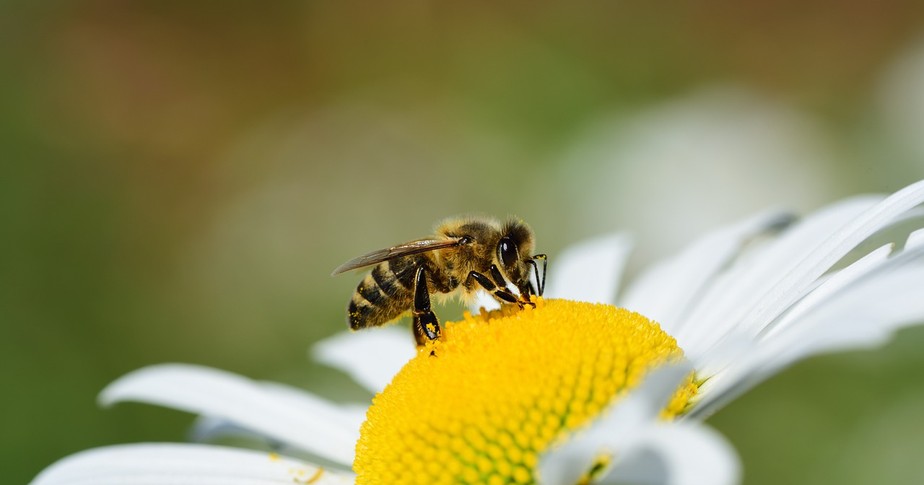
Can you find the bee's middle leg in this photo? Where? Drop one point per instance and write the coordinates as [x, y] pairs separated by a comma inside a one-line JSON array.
[[426, 326], [498, 287]]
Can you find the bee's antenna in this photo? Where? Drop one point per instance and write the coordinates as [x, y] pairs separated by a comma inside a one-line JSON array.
[[540, 281]]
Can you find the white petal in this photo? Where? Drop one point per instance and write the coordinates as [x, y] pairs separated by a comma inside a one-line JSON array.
[[719, 311], [831, 286], [371, 357], [311, 424], [207, 428], [679, 453], [915, 239], [211, 427], [863, 315], [788, 289], [645, 449], [181, 464], [589, 271], [481, 299], [860, 315], [666, 290], [616, 431]]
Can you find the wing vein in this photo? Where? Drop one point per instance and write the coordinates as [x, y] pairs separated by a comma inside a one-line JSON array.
[[411, 247]]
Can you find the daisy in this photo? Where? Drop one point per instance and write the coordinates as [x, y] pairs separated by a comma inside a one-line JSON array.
[[584, 388]]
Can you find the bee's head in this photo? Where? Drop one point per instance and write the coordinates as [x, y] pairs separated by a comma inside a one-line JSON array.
[[514, 253]]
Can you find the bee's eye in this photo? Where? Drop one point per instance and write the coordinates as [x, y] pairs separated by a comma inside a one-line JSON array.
[[507, 250]]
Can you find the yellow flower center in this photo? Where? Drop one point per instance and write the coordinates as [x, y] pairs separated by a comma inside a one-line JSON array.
[[481, 404]]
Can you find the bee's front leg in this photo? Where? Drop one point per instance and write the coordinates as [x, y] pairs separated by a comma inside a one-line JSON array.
[[498, 287], [426, 326]]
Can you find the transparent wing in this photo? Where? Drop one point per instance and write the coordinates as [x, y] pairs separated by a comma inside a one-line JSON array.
[[411, 247]]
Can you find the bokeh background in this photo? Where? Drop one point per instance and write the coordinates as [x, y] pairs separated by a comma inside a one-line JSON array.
[[179, 178]]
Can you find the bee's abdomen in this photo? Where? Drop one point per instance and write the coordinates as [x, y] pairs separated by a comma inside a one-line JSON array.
[[379, 298]]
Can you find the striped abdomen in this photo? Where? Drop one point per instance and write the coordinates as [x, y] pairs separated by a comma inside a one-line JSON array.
[[384, 294]]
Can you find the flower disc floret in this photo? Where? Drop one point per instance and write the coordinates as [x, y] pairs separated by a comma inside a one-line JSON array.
[[499, 388]]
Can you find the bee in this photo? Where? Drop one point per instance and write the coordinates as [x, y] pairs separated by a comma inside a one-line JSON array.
[[463, 256]]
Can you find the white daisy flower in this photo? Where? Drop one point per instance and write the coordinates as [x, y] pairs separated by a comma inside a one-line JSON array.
[[573, 391]]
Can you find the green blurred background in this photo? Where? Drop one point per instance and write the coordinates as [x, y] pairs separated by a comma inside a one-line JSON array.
[[179, 178]]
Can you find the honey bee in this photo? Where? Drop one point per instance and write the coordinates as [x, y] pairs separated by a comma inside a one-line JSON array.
[[464, 255]]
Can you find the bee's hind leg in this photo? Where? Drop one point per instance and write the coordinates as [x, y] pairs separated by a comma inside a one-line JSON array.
[[426, 326]]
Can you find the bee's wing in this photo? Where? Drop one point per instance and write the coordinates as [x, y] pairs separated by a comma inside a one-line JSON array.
[[411, 247]]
